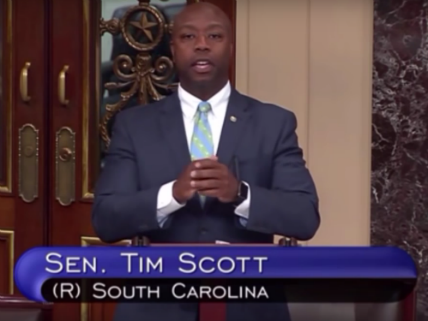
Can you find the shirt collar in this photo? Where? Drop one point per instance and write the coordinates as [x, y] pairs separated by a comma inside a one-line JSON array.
[[189, 103]]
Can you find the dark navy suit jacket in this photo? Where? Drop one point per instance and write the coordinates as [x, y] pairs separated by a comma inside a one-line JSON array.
[[149, 148]]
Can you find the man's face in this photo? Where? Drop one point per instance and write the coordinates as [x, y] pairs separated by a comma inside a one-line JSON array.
[[201, 46]]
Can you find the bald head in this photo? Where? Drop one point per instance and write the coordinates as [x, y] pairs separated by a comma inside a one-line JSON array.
[[201, 9], [201, 45]]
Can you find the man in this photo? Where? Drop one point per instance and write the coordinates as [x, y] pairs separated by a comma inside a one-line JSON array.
[[205, 164]]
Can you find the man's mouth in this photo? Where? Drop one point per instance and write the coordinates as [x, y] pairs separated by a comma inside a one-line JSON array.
[[202, 66]]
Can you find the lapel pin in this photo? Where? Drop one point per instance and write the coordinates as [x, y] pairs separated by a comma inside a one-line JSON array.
[[233, 119]]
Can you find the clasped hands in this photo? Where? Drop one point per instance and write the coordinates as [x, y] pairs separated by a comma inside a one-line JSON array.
[[207, 177]]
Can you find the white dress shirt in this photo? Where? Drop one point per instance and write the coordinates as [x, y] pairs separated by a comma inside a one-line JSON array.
[[166, 204]]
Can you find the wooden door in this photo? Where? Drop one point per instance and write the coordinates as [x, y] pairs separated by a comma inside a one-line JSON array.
[[102, 51], [22, 132]]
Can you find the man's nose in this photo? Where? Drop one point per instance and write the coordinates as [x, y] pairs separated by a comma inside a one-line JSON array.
[[201, 43]]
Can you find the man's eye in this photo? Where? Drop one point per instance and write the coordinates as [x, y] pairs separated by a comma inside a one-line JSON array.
[[187, 36], [215, 35]]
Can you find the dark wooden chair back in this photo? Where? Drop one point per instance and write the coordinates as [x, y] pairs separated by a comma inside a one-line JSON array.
[[15, 308]]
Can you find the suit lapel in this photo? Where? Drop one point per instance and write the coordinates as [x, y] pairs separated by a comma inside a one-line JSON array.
[[172, 126], [235, 122], [237, 116]]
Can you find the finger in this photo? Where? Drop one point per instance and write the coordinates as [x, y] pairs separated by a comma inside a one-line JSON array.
[[205, 184], [206, 163], [213, 157], [206, 173], [210, 192]]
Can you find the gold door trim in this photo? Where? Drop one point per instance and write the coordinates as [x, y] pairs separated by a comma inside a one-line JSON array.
[[28, 162], [86, 193], [23, 82], [65, 163], [10, 236], [62, 77], [7, 188]]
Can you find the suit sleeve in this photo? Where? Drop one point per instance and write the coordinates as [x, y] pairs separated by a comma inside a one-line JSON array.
[[121, 210], [290, 207]]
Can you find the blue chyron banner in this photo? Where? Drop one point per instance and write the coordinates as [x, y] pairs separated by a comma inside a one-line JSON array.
[[270, 273]]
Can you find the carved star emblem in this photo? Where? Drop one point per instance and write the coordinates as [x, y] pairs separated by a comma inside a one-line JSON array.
[[144, 25]]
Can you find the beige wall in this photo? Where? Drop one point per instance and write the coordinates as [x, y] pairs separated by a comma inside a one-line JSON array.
[[315, 58]]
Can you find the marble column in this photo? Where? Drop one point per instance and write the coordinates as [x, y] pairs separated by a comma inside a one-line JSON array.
[[399, 202]]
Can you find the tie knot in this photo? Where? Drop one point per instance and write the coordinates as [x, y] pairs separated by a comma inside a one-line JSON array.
[[204, 107]]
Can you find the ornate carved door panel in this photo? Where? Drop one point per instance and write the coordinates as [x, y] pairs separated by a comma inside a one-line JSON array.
[[22, 132], [107, 55]]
